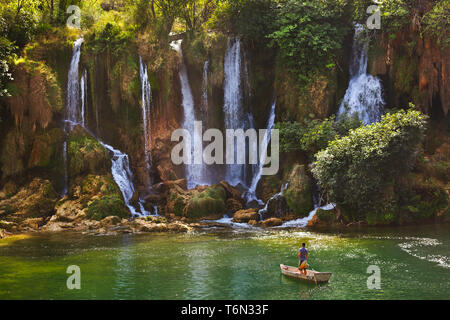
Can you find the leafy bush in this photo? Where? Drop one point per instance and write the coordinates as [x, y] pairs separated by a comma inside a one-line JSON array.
[[253, 20], [359, 171], [437, 22], [314, 135]]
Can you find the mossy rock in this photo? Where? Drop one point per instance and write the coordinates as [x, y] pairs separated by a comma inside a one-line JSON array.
[[86, 155], [209, 202], [106, 207], [299, 195], [46, 149]]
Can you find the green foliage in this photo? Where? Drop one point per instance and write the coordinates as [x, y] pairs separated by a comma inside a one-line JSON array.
[[253, 20], [309, 35], [436, 22], [314, 135], [108, 206], [112, 39], [358, 171]]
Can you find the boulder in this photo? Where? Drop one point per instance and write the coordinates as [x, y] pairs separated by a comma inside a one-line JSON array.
[[272, 222], [233, 205], [244, 216], [232, 192]]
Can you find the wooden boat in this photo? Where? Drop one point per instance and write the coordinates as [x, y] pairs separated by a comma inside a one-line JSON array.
[[311, 275]]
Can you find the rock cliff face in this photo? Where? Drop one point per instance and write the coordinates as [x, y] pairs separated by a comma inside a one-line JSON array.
[[414, 68]]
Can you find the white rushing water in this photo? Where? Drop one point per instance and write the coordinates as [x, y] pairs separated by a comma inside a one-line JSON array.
[[251, 193], [146, 104], [84, 105], [73, 113], [303, 222], [195, 172], [205, 89], [235, 116], [122, 175], [364, 95]]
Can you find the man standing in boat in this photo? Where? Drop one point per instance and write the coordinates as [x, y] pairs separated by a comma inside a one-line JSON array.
[[303, 257]]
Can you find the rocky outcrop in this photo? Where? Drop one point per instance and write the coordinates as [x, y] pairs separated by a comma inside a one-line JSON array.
[[415, 68], [35, 200], [86, 155]]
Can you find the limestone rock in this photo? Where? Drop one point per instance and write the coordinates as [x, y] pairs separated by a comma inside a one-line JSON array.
[[243, 216], [272, 222]]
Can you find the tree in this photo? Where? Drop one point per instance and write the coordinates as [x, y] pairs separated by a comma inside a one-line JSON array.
[[309, 35], [359, 170]]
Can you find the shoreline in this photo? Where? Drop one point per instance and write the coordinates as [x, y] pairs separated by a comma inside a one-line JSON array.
[[113, 225]]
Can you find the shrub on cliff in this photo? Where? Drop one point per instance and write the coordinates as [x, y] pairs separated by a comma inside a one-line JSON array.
[[359, 171]]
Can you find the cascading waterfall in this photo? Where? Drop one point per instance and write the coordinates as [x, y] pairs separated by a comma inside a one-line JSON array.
[[235, 116], [84, 105], [205, 89], [195, 173], [122, 175], [146, 103], [75, 115], [251, 193], [303, 222], [364, 95], [72, 103]]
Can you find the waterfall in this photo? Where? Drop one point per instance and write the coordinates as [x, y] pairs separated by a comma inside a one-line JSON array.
[[303, 222], [235, 116], [146, 103], [122, 175], [205, 91], [83, 87], [364, 95], [195, 173], [75, 115], [251, 193]]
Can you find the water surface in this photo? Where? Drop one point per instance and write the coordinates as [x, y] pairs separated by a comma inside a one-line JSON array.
[[231, 264]]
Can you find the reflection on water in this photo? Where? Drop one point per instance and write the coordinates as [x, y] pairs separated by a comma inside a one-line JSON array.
[[239, 264]]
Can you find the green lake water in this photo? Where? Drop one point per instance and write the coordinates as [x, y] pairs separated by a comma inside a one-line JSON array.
[[227, 264]]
